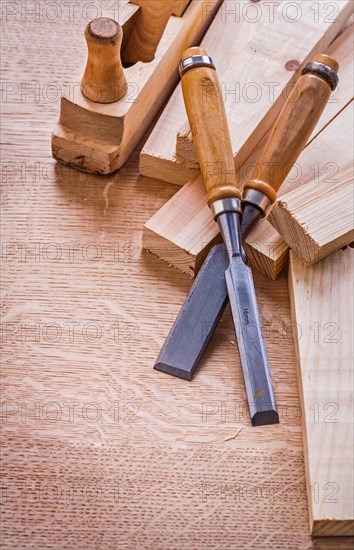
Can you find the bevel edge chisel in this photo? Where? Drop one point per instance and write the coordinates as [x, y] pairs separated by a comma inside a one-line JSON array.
[[212, 142]]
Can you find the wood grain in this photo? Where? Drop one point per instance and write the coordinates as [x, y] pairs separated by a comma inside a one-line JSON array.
[[292, 130], [103, 80], [158, 159], [318, 217], [150, 24], [169, 480], [322, 301], [206, 115]]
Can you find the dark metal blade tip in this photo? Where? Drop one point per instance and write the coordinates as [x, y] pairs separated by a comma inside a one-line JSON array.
[[170, 369], [265, 418], [250, 218]]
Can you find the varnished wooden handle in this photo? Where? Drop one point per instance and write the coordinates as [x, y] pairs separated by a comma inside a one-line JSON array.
[[146, 34], [292, 130], [104, 80], [210, 131]]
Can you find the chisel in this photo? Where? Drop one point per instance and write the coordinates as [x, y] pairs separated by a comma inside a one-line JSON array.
[[207, 119], [208, 297]]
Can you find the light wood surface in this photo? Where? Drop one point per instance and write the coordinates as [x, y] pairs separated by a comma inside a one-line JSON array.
[[98, 138], [318, 217], [322, 304], [169, 480]]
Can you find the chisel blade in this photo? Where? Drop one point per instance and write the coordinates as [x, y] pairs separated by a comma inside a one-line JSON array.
[[247, 324], [198, 317], [250, 343]]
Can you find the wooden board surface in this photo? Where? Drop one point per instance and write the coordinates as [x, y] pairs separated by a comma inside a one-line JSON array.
[[317, 217], [322, 303], [100, 451]]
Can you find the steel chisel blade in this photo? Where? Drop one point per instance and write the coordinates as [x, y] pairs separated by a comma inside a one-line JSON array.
[[207, 299], [198, 317], [250, 341]]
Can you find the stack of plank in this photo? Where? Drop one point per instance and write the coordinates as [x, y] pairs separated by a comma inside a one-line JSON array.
[[259, 57]]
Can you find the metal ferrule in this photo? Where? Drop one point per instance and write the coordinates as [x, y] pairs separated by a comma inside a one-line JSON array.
[[322, 70], [221, 206], [195, 61], [257, 199]]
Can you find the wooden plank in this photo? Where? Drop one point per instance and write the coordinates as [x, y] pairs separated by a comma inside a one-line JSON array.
[[225, 39], [159, 157], [322, 304], [183, 231], [317, 218], [98, 138], [267, 250]]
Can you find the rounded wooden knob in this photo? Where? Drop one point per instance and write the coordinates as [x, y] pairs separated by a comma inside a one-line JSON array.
[[104, 80]]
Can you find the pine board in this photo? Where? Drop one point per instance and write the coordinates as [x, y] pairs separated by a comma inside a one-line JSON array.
[[322, 304], [317, 217]]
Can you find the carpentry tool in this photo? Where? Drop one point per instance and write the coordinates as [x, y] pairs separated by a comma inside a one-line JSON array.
[[126, 80], [208, 297], [291, 132], [207, 118]]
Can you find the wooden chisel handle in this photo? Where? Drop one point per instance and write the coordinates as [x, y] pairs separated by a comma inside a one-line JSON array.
[[293, 128], [207, 119]]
